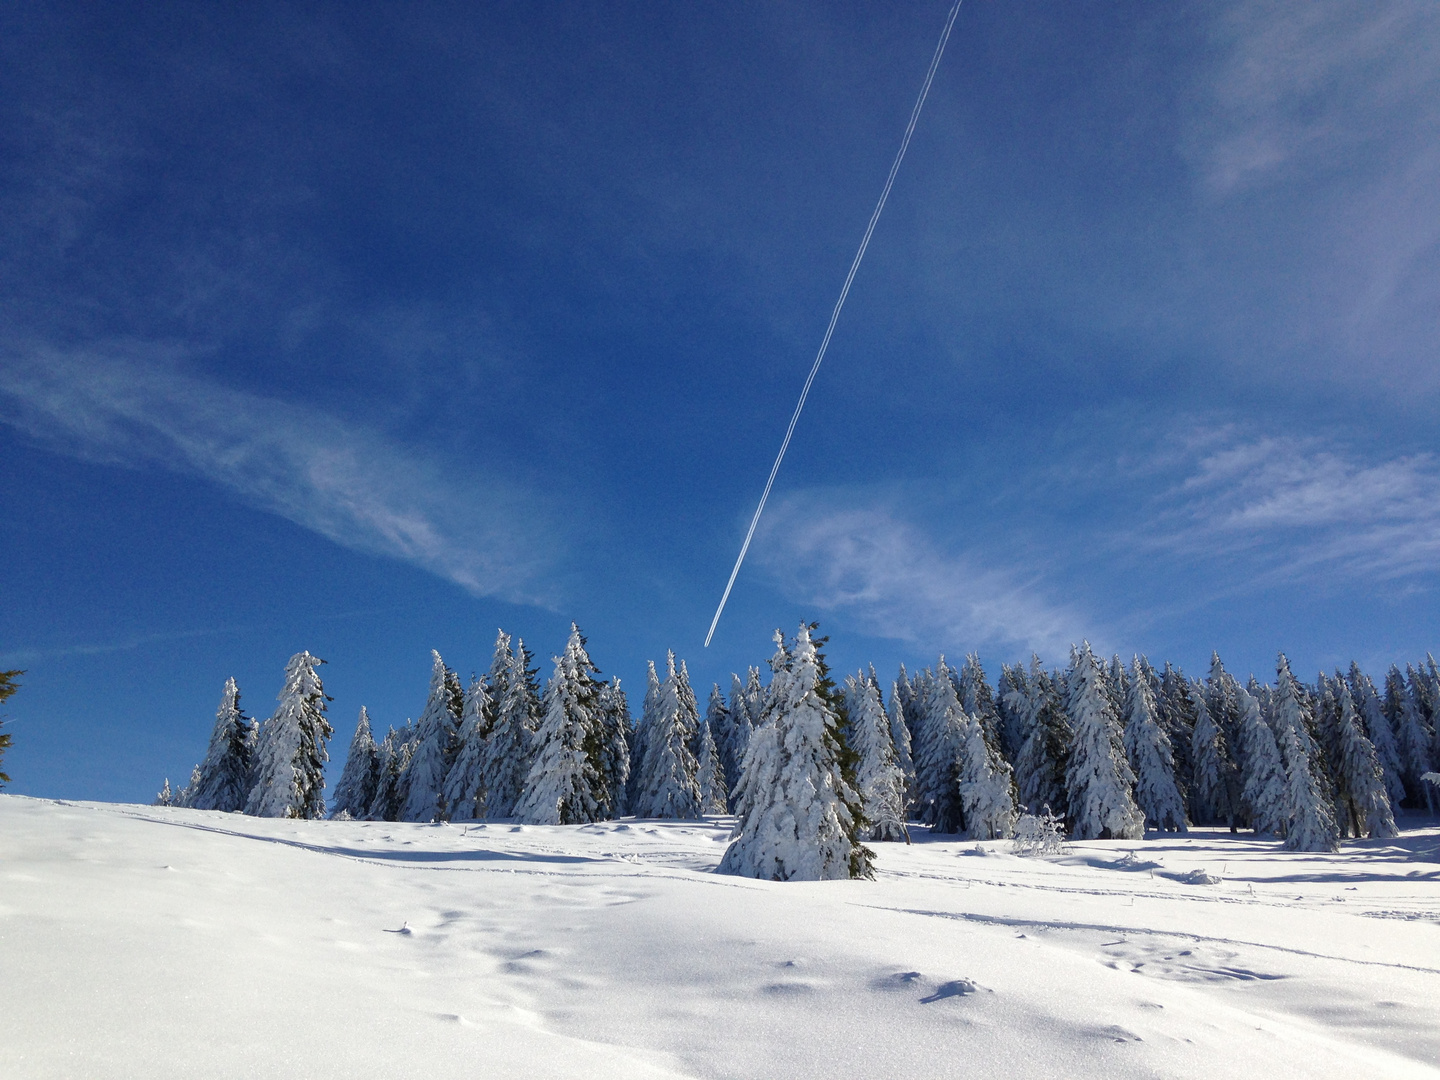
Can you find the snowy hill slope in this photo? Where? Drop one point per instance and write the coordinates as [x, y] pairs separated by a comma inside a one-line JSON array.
[[141, 940]]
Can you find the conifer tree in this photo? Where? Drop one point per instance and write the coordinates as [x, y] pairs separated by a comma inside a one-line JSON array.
[[1177, 716], [978, 700], [938, 754], [615, 748], [1223, 701], [742, 722], [395, 751], [1311, 818], [1381, 734], [1414, 736], [291, 753], [222, 780], [165, 797], [8, 686], [800, 818], [904, 757], [879, 780], [361, 776], [1117, 685], [723, 729], [912, 705], [1215, 784], [1098, 779], [1040, 764], [1263, 780], [987, 785], [1012, 700], [710, 773], [463, 795], [1362, 804], [640, 739], [668, 787], [1148, 748], [566, 785], [509, 751], [424, 778]]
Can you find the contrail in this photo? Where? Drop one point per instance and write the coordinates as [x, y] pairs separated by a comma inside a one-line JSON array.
[[835, 315]]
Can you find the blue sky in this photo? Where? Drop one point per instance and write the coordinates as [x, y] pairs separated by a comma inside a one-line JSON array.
[[367, 329]]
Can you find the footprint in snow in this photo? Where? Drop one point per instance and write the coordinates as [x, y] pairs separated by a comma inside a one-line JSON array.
[[953, 988]]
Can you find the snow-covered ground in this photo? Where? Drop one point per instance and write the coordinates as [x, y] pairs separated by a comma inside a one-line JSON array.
[[144, 941]]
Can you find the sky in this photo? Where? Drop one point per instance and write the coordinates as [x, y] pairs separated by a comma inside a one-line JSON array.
[[371, 329]]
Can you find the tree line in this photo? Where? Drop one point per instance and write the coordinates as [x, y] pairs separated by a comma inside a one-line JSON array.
[[815, 770]]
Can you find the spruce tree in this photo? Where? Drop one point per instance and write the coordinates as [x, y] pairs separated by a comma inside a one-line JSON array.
[[879, 780], [424, 778], [1222, 699], [904, 755], [395, 751], [640, 739], [940, 743], [1414, 736], [291, 753], [978, 700], [615, 747], [361, 776], [566, 785], [222, 780], [1098, 779], [987, 785], [1311, 818], [800, 819], [1044, 754], [742, 722], [508, 752], [1148, 748], [721, 723], [668, 787], [1263, 780], [1177, 716], [1360, 793], [1012, 700], [1381, 734], [463, 795], [710, 773], [8, 686], [1215, 784]]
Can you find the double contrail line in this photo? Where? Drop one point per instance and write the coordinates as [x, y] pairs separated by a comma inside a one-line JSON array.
[[835, 315]]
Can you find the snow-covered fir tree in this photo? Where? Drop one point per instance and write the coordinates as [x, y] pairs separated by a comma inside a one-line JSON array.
[[710, 773], [1044, 754], [940, 743], [1098, 780], [424, 778], [463, 795], [222, 780], [1177, 717], [615, 748], [289, 778], [800, 818], [1361, 801], [1223, 702], [987, 785], [361, 776], [1012, 699], [1414, 736], [509, 750], [904, 753], [165, 796], [912, 700], [1263, 782], [668, 786], [978, 699], [566, 785], [1148, 748], [640, 737], [1380, 733], [1215, 785], [395, 751], [879, 780], [1117, 684], [721, 722], [1310, 811]]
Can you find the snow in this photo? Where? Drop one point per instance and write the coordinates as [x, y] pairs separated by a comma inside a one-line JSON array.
[[138, 940]]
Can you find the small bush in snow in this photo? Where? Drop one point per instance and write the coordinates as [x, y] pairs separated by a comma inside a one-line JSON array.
[[1039, 834]]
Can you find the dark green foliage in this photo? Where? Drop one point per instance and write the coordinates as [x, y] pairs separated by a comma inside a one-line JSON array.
[[8, 686]]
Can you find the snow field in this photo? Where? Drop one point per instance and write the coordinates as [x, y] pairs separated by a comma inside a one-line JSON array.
[[138, 940]]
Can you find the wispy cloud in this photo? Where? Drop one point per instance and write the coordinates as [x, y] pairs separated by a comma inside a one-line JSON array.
[[134, 405], [1297, 504], [867, 562]]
